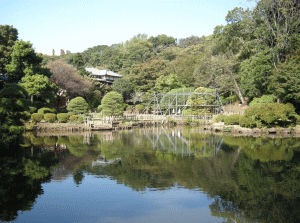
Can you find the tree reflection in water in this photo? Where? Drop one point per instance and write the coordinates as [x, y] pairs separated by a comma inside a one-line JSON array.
[[249, 179]]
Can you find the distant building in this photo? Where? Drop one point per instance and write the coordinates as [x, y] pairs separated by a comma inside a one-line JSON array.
[[53, 52], [103, 76], [62, 52]]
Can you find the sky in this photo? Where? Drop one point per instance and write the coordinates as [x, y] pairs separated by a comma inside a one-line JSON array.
[[77, 25]]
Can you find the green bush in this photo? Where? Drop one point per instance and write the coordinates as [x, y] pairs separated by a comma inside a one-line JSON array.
[[78, 105], [63, 117], [73, 118], [27, 114], [49, 117], [232, 119], [265, 99], [273, 114], [247, 122], [220, 118], [80, 119], [46, 110], [140, 108], [112, 104], [32, 110], [36, 117]]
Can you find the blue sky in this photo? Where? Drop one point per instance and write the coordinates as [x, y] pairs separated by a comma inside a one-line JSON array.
[[79, 24]]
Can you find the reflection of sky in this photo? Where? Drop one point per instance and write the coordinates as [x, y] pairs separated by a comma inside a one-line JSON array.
[[103, 200]]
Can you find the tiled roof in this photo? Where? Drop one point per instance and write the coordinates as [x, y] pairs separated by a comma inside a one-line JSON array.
[[97, 72]]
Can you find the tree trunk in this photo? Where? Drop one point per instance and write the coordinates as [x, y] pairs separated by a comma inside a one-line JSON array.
[[238, 90]]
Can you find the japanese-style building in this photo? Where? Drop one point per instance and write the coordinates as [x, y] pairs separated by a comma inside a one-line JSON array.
[[103, 76]]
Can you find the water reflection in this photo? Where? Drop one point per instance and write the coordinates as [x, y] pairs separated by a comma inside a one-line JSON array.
[[247, 179]]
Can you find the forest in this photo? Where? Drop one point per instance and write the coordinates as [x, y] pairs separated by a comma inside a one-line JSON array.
[[254, 56]]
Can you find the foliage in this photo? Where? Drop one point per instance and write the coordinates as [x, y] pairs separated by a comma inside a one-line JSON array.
[[196, 102], [39, 86], [167, 83], [124, 87], [8, 36], [67, 78], [37, 117], [286, 80], [32, 109], [78, 105], [13, 103], [232, 119], [140, 108], [74, 118], [272, 114], [46, 110], [49, 117], [265, 99], [112, 104], [220, 118], [63, 117]]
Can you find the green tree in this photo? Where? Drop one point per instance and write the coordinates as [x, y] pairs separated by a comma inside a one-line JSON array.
[[124, 87], [167, 83], [77, 105], [8, 36], [39, 86], [112, 104], [13, 104], [24, 60], [286, 80]]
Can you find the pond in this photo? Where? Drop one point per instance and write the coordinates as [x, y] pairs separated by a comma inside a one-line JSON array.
[[151, 175]]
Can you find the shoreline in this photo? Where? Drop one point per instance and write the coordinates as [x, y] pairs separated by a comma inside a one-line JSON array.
[[234, 130]]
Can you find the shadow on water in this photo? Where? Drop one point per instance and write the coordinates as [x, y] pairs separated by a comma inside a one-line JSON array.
[[248, 179]]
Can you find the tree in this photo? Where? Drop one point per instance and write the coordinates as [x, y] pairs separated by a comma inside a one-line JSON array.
[[13, 104], [24, 60], [112, 104], [255, 74], [167, 83], [77, 105], [39, 86], [143, 76], [286, 80], [67, 78], [78, 62], [279, 22], [8, 36], [124, 87]]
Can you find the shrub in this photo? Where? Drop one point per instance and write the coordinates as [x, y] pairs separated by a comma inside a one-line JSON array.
[[247, 122], [78, 105], [272, 114], [32, 110], [220, 118], [27, 114], [112, 104], [46, 110], [140, 108], [73, 118], [63, 117], [80, 119], [49, 117], [232, 119], [36, 117], [265, 99]]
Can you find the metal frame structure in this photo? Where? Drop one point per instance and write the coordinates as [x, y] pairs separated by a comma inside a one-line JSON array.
[[175, 103]]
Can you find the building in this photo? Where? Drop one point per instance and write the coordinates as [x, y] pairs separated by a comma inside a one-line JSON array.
[[103, 76]]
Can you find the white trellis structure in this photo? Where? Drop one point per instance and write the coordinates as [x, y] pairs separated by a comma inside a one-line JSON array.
[[175, 103]]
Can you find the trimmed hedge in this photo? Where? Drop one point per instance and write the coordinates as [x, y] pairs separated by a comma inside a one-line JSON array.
[[220, 118], [32, 110], [80, 119], [63, 117], [73, 118], [36, 117], [232, 119], [49, 117], [46, 110], [140, 107]]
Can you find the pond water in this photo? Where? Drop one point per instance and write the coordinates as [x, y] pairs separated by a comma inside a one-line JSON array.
[[151, 175]]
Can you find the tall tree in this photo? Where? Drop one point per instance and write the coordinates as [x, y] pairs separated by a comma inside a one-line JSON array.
[[8, 36]]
